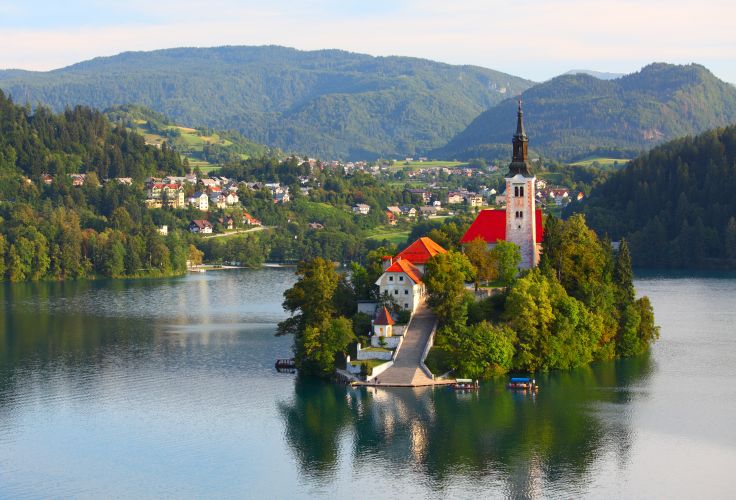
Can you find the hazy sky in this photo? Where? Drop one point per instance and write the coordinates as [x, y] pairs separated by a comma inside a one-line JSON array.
[[536, 39]]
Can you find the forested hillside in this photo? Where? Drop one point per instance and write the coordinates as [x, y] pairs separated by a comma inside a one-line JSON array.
[[676, 204], [329, 103], [56, 230], [575, 116]]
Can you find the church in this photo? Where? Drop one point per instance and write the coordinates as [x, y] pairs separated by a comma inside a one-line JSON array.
[[521, 221]]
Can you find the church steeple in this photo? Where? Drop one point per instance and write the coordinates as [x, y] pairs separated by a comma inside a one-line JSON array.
[[519, 161]]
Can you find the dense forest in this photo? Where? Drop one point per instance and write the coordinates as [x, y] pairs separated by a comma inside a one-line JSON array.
[[326, 103], [675, 204], [58, 231], [576, 116]]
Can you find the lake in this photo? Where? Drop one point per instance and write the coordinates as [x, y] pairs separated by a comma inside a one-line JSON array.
[[166, 388]]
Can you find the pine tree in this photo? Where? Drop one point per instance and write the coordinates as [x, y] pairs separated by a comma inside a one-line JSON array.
[[623, 276]]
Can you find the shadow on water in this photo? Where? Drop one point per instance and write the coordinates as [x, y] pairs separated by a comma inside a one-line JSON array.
[[519, 442]]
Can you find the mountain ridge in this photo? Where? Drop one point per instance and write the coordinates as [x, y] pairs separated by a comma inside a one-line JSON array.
[[574, 116], [330, 103]]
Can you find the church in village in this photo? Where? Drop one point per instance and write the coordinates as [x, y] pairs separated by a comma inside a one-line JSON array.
[[521, 221]]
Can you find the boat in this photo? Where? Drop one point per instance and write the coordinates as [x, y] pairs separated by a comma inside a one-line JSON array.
[[523, 384], [285, 364], [465, 384]]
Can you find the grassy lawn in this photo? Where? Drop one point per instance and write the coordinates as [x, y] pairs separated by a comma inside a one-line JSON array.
[[376, 349], [392, 234], [603, 162]]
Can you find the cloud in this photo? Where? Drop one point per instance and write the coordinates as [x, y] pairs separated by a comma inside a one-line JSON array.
[[532, 38]]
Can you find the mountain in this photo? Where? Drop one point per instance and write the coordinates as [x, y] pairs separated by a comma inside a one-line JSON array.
[[328, 103], [575, 116], [601, 75], [675, 204]]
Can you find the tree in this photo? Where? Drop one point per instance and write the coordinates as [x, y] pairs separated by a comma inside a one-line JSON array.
[[623, 276], [480, 350], [486, 266], [507, 256], [445, 279], [195, 255]]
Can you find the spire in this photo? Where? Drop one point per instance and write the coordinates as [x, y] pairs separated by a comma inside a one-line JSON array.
[[519, 161], [520, 122]]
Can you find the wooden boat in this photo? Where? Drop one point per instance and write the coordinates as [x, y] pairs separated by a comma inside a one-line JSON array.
[[465, 384], [523, 384]]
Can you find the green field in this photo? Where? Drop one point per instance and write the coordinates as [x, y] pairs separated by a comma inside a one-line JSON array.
[[394, 235], [602, 162]]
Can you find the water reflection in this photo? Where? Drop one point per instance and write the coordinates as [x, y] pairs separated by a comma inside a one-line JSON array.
[[523, 442]]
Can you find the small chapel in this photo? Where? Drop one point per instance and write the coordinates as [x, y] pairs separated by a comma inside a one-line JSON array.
[[521, 221]]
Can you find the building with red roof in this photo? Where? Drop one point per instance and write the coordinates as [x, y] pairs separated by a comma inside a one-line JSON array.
[[402, 278], [419, 252], [383, 324]]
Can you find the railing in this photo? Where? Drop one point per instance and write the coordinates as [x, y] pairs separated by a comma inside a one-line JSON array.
[[425, 353]]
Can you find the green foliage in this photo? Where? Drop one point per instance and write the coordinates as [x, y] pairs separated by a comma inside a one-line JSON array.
[[478, 351], [319, 335], [486, 266], [445, 279], [507, 257], [578, 116], [675, 204], [577, 306], [356, 105]]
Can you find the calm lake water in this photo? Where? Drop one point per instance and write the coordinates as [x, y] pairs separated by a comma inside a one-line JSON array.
[[166, 389]]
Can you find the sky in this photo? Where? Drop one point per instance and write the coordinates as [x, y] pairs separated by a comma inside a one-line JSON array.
[[535, 39]]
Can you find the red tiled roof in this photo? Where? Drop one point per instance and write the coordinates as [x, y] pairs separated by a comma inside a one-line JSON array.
[[421, 251], [384, 318], [404, 266], [490, 226]]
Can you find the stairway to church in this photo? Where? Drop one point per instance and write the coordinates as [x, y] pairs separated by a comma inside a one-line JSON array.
[[406, 370]]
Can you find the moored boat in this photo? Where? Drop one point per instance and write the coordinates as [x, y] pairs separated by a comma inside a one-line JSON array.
[[523, 384], [466, 384]]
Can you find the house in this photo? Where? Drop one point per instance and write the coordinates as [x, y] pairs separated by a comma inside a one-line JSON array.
[[231, 198], [316, 226], [78, 179], [126, 181], [383, 324], [394, 210], [474, 200], [47, 179], [218, 200], [227, 222], [200, 226], [391, 218], [402, 278], [409, 211], [282, 197], [361, 209], [163, 230], [249, 220], [210, 183], [454, 198], [200, 201], [161, 194], [427, 211]]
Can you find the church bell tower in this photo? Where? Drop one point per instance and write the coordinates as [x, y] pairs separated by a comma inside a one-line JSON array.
[[521, 198]]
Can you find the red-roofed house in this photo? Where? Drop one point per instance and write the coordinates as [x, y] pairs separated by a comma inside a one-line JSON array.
[[384, 323], [403, 274], [419, 252]]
